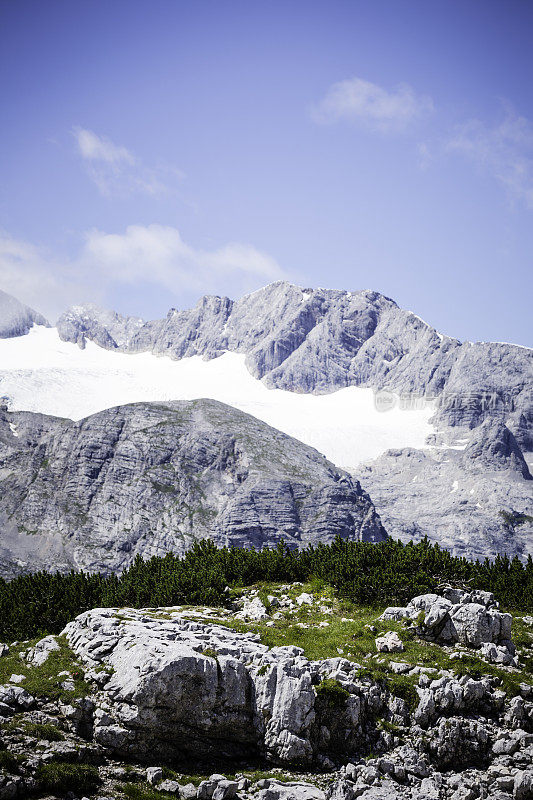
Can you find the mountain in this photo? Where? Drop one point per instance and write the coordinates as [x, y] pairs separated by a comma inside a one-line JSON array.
[[16, 319], [152, 478], [438, 431], [106, 328], [319, 340], [473, 503]]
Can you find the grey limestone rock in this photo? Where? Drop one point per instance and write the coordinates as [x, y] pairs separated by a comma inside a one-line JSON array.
[[153, 478], [16, 319], [493, 446], [106, 328], [463, 496]]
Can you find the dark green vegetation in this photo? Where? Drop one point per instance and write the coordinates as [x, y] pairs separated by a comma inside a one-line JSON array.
[[332, 693], [371, 574], [514, 518], [58, 777]]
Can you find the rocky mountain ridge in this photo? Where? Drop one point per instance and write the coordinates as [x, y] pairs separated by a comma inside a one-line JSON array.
[[152, 478], [16, 319], [475, 499], [319, 340]]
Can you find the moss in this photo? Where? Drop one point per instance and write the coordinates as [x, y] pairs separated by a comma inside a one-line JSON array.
[[9, 762], [164, 488], [332, 694], [59, 777], [513, 518], [262, 670], [210, 653]]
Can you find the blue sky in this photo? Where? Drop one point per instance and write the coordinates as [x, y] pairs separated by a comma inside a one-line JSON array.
[[155, 150]]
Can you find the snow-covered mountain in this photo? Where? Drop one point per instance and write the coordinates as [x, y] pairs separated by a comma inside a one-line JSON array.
[[439, 431], [16, 319]]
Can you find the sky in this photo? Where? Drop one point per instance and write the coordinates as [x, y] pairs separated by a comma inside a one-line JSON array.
[[152, 151]]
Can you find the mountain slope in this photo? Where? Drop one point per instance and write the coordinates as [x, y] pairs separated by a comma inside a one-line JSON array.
[[16, 319], [151, 478]]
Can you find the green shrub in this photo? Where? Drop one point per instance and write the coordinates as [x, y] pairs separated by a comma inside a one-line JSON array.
[[331, 693], [361, 572], [9, 761], [402, 686]]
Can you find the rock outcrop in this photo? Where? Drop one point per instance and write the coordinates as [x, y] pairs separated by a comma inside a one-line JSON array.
[[468, 618], [175, 687], [16, 319], [90, 322], [473, 496], [153, 478], [494, 447], [168, 689]]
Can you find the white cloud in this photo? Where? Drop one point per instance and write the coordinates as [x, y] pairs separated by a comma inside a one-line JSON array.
[[143, 255], [504, 150], [371, 105], [116, 170], [100, 148], [47, 282], [157, 254]]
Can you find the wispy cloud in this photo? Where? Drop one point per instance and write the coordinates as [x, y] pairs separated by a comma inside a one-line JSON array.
[[117, 171], [143, 255], [157, 254], [44, 280], [366, 103], [100, 148], [505, 150]]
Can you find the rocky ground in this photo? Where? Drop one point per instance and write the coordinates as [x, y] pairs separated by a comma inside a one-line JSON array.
[[286, 693]]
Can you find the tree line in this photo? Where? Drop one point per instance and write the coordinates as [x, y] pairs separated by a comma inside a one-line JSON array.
[[371, 574]]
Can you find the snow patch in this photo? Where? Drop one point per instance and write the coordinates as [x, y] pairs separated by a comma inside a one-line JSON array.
[[41, 373]]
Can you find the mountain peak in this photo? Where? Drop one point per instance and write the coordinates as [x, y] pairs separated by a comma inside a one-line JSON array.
[[16, 319]]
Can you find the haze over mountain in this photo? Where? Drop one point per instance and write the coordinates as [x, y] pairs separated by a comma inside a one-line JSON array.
[[448, 425]]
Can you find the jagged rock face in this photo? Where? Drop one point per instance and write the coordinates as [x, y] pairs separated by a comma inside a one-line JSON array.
[[171, 686], [494, 446], [16, 319], [457, 495], [152, 478], [107, 328], [318, 340]]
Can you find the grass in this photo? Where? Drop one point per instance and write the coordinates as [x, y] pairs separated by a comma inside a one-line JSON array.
[[59, 777], [43, 730], [44, 681], [331, 693], [353, 640], [143, 791]]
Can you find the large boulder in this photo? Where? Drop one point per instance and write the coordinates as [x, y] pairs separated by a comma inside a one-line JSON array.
[[468, 618], [176, 687]]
